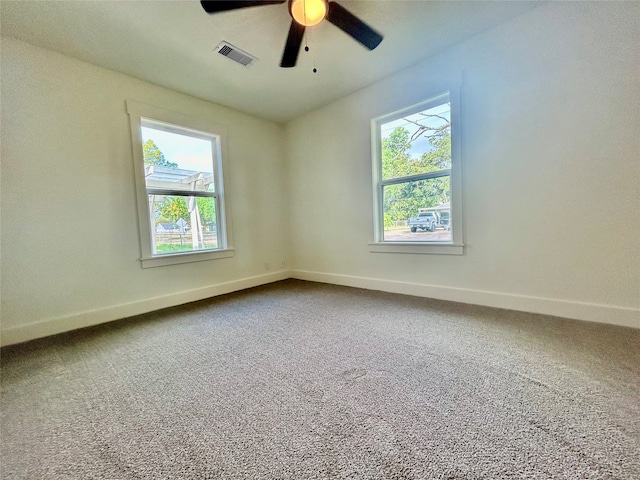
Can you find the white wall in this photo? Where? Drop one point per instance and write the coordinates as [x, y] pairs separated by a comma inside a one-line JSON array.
[[70, 247], [551, 146]]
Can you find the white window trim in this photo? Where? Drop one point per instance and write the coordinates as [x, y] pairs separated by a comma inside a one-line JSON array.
[[456, 245], [139, 112]]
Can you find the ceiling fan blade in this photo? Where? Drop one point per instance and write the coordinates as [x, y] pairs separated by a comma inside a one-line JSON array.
[[292, 47], [352, 25], [215, 6]]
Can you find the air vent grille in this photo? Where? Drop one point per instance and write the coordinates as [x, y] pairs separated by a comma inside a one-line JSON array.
[[235, 54]]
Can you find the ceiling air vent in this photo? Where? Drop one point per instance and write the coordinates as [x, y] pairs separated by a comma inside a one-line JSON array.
[[235, 54]]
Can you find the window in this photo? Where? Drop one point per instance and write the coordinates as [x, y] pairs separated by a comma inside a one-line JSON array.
[[179, 186], [416, 175]]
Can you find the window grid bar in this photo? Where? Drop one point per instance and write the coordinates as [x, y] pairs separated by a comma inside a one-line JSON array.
[[415, 178], [180, 193]]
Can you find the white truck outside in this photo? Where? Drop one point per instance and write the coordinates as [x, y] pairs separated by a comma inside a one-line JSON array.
[[424, 221]]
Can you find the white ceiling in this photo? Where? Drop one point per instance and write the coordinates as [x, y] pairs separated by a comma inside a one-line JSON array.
[[170, 43]]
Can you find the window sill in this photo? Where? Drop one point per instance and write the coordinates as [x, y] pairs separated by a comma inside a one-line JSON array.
[[417, 248], [176, 258]]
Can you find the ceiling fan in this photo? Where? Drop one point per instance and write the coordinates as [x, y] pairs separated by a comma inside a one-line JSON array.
[[306, 13]]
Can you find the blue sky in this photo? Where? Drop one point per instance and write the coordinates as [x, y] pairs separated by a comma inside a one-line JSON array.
[[188, 152]]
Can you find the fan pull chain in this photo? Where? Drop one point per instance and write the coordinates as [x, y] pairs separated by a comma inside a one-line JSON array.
[[306, 49]]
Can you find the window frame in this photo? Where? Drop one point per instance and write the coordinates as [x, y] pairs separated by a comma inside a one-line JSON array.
[[456, 245], [146, 115]]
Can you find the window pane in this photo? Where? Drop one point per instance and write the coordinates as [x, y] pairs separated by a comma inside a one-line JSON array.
[[417, 143], [417, 211], [182, 223], [175, 161]]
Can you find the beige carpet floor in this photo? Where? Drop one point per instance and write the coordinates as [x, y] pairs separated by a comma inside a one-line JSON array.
[[299, 380]]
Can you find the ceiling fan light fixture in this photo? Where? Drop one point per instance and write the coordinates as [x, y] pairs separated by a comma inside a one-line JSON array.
[[308, 12]]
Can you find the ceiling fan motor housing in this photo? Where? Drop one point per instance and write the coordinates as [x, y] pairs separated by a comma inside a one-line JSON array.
[[308, 12]]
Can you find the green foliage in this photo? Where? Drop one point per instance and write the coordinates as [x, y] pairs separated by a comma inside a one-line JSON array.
[[207, 209], [173, 247], [440, 157], [175, 208], [153, 156], [388, 221], [402, 201], [395, 159]]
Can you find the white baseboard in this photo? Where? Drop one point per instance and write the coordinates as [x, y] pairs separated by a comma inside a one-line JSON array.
[[591, 312], [53, 326], [623, 316]]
